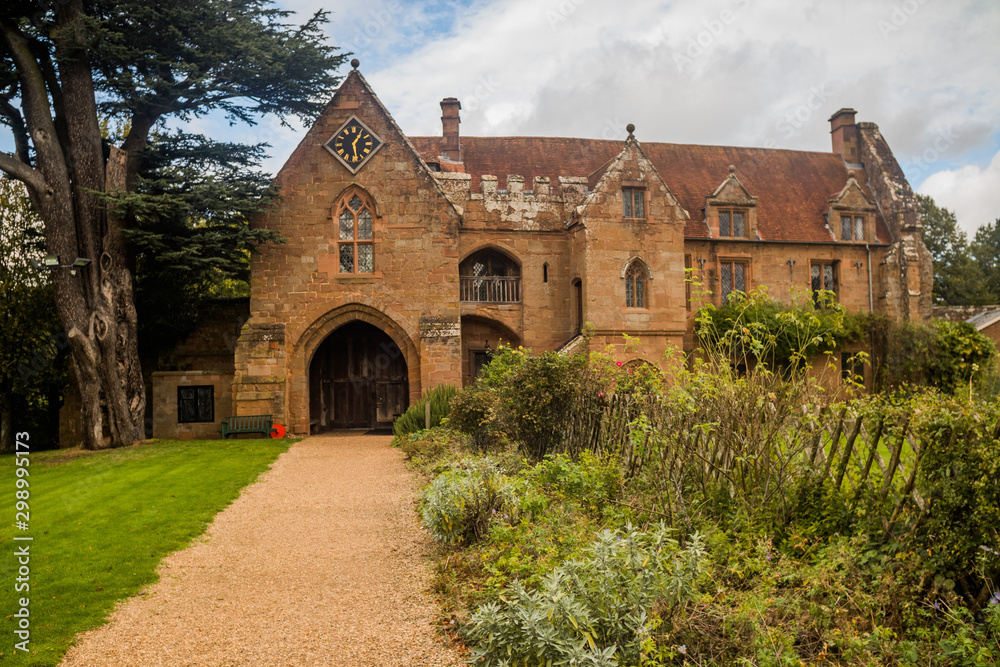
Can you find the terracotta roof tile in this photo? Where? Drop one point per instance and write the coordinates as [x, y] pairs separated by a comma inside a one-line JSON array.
[[793, 188]]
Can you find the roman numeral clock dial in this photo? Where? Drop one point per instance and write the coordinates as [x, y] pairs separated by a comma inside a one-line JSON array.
[[353, 144]]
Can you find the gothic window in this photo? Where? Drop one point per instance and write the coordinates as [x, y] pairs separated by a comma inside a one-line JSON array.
[[733, 222], [491, 277], [633, 203], [852, 228], [824, 277], [732, 277], [635, 285], [354, 221], [195, 404]]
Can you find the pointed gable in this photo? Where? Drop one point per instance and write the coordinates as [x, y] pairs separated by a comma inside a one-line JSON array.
[[356, 99], [631, 170]]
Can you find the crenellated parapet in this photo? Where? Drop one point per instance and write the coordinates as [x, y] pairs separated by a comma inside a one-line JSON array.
[[514, 202]]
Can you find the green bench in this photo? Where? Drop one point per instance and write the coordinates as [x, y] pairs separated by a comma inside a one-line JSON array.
[[246, 424]]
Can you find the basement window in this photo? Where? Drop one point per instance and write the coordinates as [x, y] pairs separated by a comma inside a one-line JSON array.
[[195, 404]]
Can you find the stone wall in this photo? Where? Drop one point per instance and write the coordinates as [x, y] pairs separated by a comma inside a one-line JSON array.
[[165, 418]]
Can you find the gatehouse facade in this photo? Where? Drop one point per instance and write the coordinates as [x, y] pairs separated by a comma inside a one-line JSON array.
[[408, 259]]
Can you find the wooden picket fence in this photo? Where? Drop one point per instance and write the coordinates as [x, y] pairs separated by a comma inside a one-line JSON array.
[[874, 460]]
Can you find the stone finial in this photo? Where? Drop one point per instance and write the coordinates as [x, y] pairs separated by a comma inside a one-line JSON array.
[[850, 175], [732, 169], [630, 128], [355, 62]]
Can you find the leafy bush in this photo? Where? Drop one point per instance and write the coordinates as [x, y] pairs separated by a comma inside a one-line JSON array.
[[751, 328], [461, 504], [595, 611], [414, 419], [530, 399], [943, 354]]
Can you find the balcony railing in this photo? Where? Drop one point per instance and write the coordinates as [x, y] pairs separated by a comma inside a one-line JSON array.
[[491, 289]]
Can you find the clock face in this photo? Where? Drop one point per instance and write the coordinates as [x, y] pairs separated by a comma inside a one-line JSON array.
[[353, 144]]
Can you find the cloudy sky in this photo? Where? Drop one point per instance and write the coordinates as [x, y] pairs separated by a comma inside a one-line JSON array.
[[733, 72]]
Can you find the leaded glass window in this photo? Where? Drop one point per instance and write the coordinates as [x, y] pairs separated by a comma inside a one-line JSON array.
[[732, 278], [824, 277], [354, 225], [633, 203], [733, 223], [635, 285], [859, 228], [845, 228]]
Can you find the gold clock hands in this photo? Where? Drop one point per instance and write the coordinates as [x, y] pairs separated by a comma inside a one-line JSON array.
[[355, 145]]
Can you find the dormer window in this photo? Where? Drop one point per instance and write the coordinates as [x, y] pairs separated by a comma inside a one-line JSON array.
[[733, 222], [852, 228], [634, 202]]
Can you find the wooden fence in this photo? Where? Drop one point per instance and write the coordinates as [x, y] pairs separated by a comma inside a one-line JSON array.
[[869, 459]]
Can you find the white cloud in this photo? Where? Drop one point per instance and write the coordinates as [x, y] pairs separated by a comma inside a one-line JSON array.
[[735, 72], [971, 192]]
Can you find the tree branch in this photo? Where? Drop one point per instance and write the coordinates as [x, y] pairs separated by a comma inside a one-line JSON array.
[[35, 102], [22, 172], [20, 131]]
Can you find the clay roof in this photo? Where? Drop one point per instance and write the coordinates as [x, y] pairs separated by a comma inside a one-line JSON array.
[[793, 188]]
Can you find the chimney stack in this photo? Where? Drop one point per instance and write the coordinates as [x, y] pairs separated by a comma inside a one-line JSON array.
[[845, 135], [452, 147]]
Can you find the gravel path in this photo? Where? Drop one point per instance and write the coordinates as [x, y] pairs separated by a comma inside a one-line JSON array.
[[321, 562]]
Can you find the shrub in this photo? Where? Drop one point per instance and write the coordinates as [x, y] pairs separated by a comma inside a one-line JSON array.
[[414, 419], [460, 505], [751, 328], [595, 611], [944, 354], [530, 399]]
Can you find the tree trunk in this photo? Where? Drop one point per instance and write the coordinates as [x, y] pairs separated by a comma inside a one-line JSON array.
[[105, 350]]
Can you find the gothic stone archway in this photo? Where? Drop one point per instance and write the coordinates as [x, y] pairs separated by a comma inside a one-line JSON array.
[[357, 379]]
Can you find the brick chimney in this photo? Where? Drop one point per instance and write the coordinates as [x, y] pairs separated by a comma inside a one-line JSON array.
[[452, 147], [845, 134]]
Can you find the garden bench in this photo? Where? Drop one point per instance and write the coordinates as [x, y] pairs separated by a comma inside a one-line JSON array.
[[246, 424]]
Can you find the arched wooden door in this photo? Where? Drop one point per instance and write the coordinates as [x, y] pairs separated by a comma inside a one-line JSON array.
[[357, 379]]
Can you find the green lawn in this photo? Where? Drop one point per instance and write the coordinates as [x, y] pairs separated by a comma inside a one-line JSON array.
[[102, 521]]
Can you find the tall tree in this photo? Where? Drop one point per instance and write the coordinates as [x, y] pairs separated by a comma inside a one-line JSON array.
[[958, 280], [986, 251], [141, 63]]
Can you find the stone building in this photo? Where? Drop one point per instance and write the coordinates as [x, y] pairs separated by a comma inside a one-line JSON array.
[[408, 258]]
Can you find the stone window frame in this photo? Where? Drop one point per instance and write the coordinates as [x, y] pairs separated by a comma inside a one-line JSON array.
[[746, 261], [199, 417], [637, 275], [357, 240], [632, 195]]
